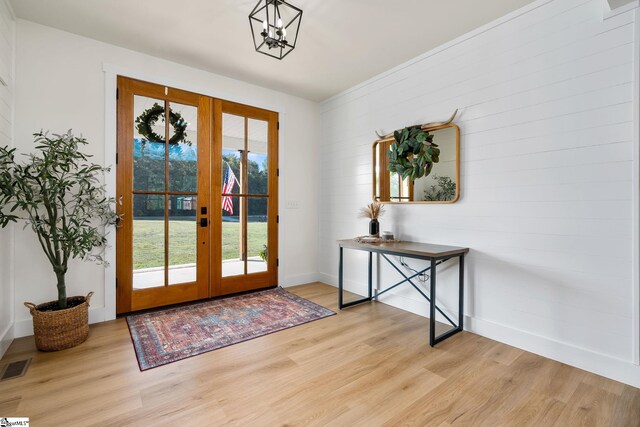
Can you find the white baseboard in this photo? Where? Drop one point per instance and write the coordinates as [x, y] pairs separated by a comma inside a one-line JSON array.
[[624, 371], [328, 279], [333, 281], [621, 370], [6, 338], [24, 327], [299, 279]]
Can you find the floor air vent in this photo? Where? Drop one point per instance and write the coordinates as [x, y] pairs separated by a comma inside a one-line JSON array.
[[14, 369]]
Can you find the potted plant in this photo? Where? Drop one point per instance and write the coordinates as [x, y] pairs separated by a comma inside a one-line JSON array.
[[264, 253], [58, 193], [372, 212]]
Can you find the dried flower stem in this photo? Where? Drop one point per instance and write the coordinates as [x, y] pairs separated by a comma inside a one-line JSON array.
[[373, 210]]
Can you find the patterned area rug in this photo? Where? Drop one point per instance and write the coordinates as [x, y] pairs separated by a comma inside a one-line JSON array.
[[174, 334]]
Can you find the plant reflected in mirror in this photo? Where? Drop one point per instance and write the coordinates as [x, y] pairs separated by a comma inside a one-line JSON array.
[[444, 190]]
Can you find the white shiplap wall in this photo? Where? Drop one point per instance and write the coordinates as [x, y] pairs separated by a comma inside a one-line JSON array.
[[547, 101], [7, 43]]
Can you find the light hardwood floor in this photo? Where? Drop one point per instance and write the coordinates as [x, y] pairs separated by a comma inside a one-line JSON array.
[[370, 365]]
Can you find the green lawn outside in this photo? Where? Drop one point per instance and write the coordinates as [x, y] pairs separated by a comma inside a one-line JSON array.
[[148, 241]]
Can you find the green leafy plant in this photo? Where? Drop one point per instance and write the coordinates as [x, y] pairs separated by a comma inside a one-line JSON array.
[[444, 190], [263, 253], [413, 153], [57, 192]]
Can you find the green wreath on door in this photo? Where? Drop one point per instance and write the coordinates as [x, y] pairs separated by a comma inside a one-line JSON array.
[[150, 116]]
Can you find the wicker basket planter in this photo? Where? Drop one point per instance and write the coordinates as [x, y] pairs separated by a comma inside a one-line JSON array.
[[60, 329]]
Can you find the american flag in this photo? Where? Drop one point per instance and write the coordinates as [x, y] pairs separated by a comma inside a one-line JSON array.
[[227, 187]]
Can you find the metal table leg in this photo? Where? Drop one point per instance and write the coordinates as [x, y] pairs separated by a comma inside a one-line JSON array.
[[370, 275], [461, 293], [433, 340], [432, 305], [341, 303], [340, 284]]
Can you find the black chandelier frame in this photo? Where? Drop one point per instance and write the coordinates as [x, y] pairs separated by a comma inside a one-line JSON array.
[[272, 40]]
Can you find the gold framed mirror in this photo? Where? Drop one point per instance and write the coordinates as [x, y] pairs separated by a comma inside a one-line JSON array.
[[442, 185]]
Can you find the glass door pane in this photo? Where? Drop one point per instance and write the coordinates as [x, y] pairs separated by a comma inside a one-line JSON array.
[[257, 235], [148, 241], [183, 148], [148, 144], [233, 154], [258, 157], [232, 260], [182, 242], [257, 184]]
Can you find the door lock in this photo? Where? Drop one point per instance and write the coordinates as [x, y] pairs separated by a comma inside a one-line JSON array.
[[203, 222]]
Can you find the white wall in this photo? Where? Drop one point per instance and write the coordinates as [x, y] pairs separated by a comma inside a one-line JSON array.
[[7, 38], [61, 84], [547, 102]]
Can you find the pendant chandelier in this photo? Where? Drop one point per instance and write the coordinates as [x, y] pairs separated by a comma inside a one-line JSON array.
[[274, 26]]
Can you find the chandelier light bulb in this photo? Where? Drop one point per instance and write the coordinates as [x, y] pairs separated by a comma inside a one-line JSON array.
[[270, 34], [264, 25], [279, 24]]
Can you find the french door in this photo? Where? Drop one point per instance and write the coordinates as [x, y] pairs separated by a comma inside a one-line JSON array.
[[246, 171], [188, 230]]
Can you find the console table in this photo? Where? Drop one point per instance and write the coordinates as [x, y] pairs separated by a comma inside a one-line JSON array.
[[436, 254]]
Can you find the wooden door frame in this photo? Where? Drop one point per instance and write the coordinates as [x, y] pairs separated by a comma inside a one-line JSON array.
[[212, 108], [148, 298], [227, 285]]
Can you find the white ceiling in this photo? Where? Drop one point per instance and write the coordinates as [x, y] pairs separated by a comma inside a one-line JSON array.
[[341, 42]]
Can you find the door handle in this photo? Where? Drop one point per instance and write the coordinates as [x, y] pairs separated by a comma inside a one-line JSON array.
[[203, 222]]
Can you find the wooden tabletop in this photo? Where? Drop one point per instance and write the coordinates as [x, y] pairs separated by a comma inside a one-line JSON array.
[[407, 248]]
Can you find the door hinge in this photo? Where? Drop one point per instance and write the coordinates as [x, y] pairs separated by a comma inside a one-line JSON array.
[[278, 125], [277, 262], [278, 172], [277, 219], [116, 283], [118, 93], [116, 158]]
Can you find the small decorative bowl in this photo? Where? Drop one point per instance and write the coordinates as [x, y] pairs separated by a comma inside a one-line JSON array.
[[386, 235]]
